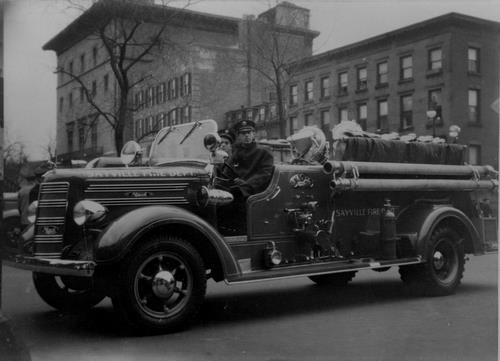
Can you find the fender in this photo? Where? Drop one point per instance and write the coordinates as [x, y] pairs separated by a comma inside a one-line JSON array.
[[423, 219], [123, 232]]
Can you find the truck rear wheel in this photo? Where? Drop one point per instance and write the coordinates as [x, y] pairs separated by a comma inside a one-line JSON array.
[[443, 271], [161, 285], [65, 293], [333, 279]]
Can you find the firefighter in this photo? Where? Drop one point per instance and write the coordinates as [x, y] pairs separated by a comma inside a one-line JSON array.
[[252, 167], [227, 140]]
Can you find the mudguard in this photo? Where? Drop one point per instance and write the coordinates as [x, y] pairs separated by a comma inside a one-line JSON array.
[[423, 219], [123, 232]]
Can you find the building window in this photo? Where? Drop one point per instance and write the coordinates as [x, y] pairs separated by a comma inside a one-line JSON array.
[[70, 67], [70, 99], [163, 120], [473, 101], [106, 82], [137, 129], [81, 94], [186, 114], [249, 114], [473, 60], [294, 124], [309, 94], [325, 87], [93, 134], [61, 104], [382, 77], [343, 114], [406, 67], [406, 104], [262, 114], [343, 83], [94, 88], [94, 55], [474, 151], [434, 103], [173, 88], [325, 122], [81, 136], [140, 100], [362, 78], [435, 59], [293, 95], [308, 119], [382, 112], [272, 111], [362, 114], [159, 94], [173, 116], [185, 84], [82, 63]]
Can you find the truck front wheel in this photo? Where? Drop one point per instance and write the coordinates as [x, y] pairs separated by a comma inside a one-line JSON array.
[[161, 285], [69, 294], [442, 272]]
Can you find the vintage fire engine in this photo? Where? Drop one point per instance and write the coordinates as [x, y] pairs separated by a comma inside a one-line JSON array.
[[150, 235]]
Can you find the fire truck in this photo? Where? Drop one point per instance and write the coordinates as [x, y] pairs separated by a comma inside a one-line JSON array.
[[150, 234]]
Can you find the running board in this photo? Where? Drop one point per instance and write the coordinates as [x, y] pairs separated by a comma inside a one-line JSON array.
[[320, 268]]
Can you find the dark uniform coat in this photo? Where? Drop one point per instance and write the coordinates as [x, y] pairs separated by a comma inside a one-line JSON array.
[[253, 167]]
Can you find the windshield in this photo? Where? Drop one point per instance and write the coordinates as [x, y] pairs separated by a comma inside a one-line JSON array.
[[182, 142]]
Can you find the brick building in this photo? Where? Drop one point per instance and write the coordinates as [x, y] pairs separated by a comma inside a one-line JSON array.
[[449, 64], [199, 71]]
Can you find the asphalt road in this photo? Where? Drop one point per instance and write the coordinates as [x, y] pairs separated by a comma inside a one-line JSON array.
[[373, 319]]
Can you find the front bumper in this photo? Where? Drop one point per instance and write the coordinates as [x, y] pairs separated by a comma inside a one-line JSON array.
[[58, 267]]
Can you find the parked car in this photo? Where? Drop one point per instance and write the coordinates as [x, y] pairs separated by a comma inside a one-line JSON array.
[[150, 236]]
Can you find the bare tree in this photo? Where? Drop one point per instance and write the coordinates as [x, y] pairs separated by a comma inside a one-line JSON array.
[[273, 52], [130, 34]]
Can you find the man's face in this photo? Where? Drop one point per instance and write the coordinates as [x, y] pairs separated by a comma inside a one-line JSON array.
[[246, 136]]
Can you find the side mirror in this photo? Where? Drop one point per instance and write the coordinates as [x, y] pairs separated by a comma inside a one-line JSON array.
[[130, 151]]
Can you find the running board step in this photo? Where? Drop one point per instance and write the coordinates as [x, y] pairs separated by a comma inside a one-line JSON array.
[[320, 268]]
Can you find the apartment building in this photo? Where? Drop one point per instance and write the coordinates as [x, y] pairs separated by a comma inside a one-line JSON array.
[[420, 79], [199, 72]]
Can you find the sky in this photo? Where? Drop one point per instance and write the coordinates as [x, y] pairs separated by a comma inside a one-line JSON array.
[[30, 82]]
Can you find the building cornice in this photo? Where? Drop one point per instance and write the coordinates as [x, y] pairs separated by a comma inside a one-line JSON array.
[[433, 25], [103, 11]]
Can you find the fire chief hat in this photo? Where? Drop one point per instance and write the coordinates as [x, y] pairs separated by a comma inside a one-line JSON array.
[[244, 126]]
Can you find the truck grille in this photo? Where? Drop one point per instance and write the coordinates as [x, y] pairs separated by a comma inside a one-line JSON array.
[[50, 220]]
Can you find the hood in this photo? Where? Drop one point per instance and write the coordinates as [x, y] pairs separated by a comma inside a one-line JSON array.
[[194, 169]]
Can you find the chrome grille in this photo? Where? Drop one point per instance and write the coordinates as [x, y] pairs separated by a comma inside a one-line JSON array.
[[50, 225]]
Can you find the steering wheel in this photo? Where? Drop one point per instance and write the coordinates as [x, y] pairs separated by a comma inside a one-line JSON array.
[[222, 179]]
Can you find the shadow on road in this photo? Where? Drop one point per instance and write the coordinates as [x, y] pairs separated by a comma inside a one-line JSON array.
[[309, 299], [233, 305]]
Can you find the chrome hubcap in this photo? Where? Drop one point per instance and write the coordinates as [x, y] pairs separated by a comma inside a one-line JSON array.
[[445, 260], [163, 285], [438, 260]]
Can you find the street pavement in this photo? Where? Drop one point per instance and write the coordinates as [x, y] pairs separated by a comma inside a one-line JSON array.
[[373, 319]]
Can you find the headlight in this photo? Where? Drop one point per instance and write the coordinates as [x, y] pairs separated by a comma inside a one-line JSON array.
[[32, 212], [85, 211]]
